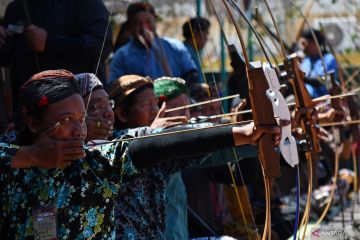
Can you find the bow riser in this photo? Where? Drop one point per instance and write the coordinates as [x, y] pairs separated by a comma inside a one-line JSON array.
[[302, 101], [263, 114]]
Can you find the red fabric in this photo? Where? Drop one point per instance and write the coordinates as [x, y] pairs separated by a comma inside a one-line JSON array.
[[43, 101]]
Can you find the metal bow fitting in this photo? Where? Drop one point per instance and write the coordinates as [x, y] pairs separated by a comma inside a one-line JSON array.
[[287, 144]]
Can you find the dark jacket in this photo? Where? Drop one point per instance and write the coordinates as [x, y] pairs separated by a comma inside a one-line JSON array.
[[75, 28]]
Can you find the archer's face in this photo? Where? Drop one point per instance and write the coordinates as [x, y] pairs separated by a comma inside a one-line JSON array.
[[99, 105], [142, 22], [70, 113], [181, 100], [309, 47], [201, 39], [143, 110]]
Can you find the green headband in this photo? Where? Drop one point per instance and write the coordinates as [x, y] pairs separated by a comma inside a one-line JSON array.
[[167, 88]]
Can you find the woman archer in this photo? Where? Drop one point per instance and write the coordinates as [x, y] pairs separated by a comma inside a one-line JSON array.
[[51, 187]]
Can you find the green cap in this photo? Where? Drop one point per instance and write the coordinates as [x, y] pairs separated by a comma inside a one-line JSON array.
[[167, 88]]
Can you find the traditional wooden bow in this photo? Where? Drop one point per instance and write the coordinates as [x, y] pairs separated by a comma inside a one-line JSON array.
[[306, 107], [267, 103]]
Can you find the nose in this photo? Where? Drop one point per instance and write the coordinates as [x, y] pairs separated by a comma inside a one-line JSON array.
[[108, 113], [155, 109], [79, 130]]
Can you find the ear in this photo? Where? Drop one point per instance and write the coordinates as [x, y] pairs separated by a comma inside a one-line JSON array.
[[120, 114], [33, 124]]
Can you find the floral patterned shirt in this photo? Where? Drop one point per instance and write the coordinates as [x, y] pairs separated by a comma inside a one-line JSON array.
[[8, 137], [142, 200], [82, 193]]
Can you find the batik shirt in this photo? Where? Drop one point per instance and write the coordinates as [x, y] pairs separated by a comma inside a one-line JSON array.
[[9, 137], [142, 200], [82, 193]]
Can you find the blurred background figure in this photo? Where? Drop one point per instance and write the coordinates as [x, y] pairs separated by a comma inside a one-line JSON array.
[[40, 35], [147, 54], [195, 32], [312, 64]]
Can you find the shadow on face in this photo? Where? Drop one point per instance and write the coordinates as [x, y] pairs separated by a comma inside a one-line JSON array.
[[181, 100], [99, 105], [141, 111]]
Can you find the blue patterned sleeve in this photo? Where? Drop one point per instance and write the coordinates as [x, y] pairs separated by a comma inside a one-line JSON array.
[[114, 160], [9, 137], [7, 153]]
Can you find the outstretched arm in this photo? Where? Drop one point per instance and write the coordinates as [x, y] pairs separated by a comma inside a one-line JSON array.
[[193, 143]]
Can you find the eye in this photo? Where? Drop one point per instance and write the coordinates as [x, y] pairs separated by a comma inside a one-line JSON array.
[[66, 119]]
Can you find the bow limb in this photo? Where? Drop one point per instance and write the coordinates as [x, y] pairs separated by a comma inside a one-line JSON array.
[[240, 201], [307, 11], [340, 69], [306, 107], [333, 187], [340, 107], [260, 80], [355, 163], [265, 138], [287, 144], [297, 216], [277, 30]]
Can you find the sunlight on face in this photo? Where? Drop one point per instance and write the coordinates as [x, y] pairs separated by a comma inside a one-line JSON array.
[[70, 113]]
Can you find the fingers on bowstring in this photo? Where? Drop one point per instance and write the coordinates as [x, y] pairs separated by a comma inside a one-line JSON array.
[[173, 124], [71, 144], [181, 119], [161, 112], [242, 104], [73, 150]]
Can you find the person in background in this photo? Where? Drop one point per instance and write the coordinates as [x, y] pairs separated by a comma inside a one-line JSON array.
[[312, 64], [147, 54], [40, 35], [204, 92], [137, 106], [123, 36], [137, 114], [195, 32], [100, 114], [174, 92]]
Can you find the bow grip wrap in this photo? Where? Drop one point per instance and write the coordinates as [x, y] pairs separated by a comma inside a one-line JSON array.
[[263, 115], [302, 101]]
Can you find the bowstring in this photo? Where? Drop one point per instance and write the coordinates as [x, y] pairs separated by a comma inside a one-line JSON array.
[[261, 42], [86, 110], [100, 54], [267, 230], [326, 75], [87, 107], [283, 53], [222, 109], [197, 49]]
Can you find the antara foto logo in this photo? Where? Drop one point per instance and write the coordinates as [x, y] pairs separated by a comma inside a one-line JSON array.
[[316, 233]]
